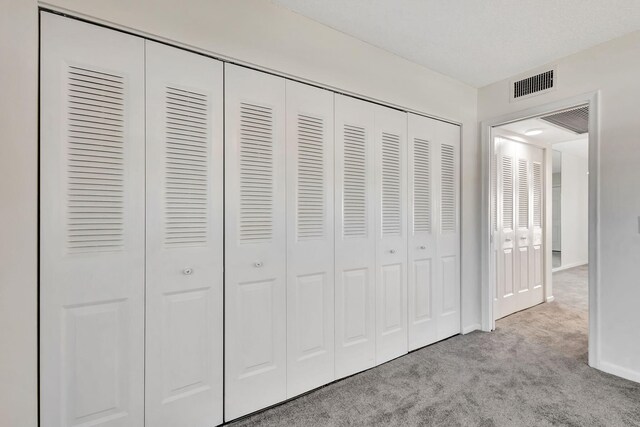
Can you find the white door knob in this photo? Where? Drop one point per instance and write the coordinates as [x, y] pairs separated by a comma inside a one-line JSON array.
[[393, 251], [187, 271], [423, 247], [257, 264]]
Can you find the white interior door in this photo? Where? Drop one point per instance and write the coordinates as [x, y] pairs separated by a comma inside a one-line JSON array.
[[255, 241], [520, 263], [310, 238], [92, 225], [184, 238], [434, 231], [355, 241], [390, 142]]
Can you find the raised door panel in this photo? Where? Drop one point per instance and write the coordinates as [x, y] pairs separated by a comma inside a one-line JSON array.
[[92, 225], [421, 243], [184, 336], [354, 236], [447, 188], [255, 241], [310, 238], [390, 129]]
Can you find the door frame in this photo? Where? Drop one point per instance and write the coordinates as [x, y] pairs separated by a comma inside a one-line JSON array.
[[488, 281]]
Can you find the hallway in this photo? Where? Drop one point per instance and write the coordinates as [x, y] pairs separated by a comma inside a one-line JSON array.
[[531, 371]]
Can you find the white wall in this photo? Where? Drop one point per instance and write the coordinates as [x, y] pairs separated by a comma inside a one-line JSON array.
[[251, 31], [575, 204], [613, 69], [18, 212]]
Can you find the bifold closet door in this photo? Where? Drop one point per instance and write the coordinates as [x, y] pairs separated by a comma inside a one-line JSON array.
[[390, 140], [310, 238], [184, 338], [355, 254], [92, 225], [255, 241], [434, 231], [520, 263]]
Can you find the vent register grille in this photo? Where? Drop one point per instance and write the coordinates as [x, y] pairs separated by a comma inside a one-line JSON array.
[[533, 84], [96, 135], [575, 120]]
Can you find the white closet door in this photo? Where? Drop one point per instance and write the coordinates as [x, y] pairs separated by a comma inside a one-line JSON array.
[[184, 238], [92, 225], [448, 226], [255, 241], [390, 140], [422, 237], [310, 238], [355, 236], [538, 206]]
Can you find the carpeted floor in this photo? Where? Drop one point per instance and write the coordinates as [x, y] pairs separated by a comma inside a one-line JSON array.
[[531, 371]]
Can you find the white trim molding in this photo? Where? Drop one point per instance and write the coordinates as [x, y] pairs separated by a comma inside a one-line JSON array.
[[619, 371], [488, 283]]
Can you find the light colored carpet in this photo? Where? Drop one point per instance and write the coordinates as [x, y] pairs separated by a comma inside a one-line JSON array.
[[531, 371]]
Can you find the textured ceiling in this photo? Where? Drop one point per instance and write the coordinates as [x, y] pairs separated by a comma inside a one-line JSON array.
[[477, 41]]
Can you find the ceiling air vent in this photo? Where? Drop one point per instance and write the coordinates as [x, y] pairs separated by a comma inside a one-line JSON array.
[[576, 119], [533, 85]]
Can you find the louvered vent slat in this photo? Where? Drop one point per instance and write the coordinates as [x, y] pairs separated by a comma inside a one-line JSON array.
[[507, 193], [523, 194], [534, 84], [448, 189], [537, 195], [391, 201], [355, 182], [421, 186], [95, 164], [186, 168], [311, 194], [256, 173]]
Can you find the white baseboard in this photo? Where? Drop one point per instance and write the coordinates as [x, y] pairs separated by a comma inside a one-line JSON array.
[[551, 298], [568, 266], [471, 328], [619, 371]]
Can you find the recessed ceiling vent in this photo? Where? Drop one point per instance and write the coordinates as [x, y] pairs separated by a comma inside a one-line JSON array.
[[533, 85], [575, 120]]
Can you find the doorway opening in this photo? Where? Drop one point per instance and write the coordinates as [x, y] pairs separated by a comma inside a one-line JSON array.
[[540, 207]]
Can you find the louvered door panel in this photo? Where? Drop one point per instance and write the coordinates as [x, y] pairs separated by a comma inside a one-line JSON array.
[[255, 241], [310, 238], [447, 269], [354, 236], [421, 248], [92, 225], [522, 219], [184, 336], [390, 127]]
